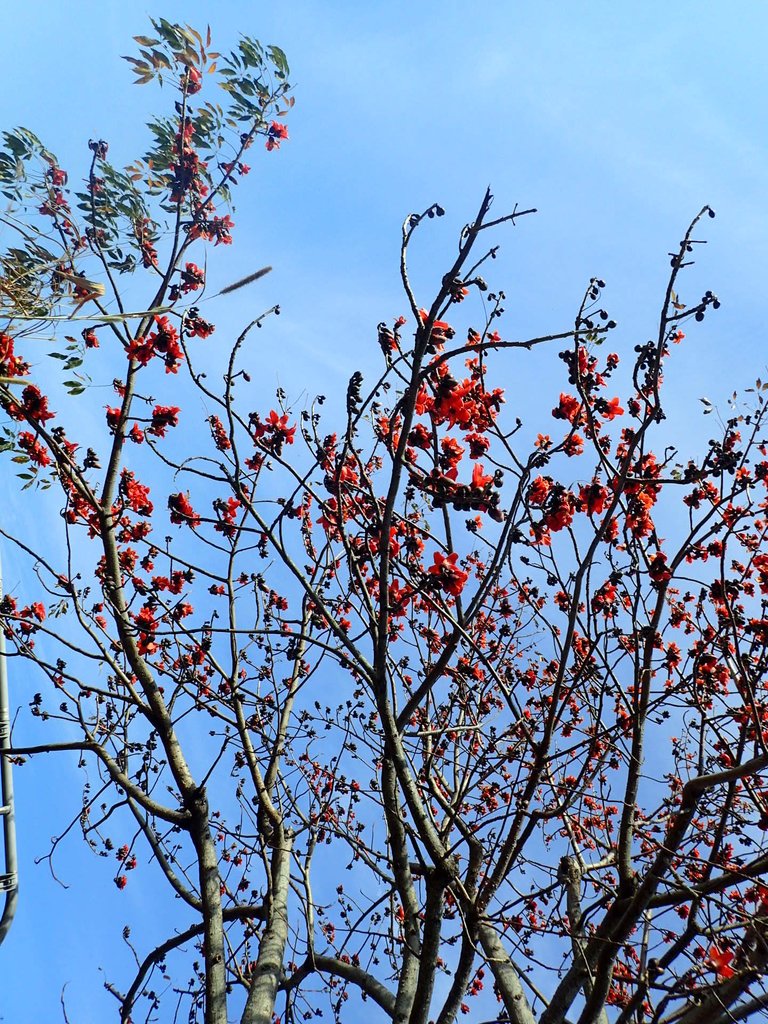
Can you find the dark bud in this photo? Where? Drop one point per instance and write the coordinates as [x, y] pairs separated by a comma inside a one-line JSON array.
[[710, 212], [91, 460], [439, 210], [699, 316]]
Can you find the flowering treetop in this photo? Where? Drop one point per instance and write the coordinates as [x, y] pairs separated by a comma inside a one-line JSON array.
[[514, 683]]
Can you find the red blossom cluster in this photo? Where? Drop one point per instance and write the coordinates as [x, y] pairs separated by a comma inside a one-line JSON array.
[[182, 512], [163, 417], [10, 364], [162, 341], [276, 134], [273, 432]]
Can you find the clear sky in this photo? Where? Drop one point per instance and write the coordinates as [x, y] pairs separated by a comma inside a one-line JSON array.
[[618, 121]]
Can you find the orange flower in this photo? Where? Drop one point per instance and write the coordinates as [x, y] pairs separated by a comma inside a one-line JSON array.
[[720, 961], [612, 409], [450, 576], [538, 491]]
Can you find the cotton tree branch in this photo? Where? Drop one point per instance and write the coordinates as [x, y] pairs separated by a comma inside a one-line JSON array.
[[505, 975], [367, 983], [162, 860], [160, 952], [268, 969], [116, 774]]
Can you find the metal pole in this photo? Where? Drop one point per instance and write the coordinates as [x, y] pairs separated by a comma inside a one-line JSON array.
[[9, 881]]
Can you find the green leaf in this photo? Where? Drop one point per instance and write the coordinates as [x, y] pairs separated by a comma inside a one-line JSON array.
[[278, 58]]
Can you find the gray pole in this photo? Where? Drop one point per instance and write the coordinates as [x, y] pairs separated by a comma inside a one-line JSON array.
[[9, 882]]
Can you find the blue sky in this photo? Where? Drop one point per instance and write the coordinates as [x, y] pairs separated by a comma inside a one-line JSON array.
[[617, 121]]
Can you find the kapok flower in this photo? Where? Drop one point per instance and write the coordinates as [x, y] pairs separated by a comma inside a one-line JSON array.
[[163, 417], [658, 570], [538, 491], [35, 451], [611, 409], [720, 961], [449, 576], [181, 510], [480, 480], [192, 278], [568, 409], [276, 134], [34, 406]]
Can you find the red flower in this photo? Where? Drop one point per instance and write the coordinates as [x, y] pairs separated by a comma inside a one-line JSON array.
[[612, 409], [441, 331], [574, 445], [221, 228], [194, 81], [163, 341], [163, 416], [479, 479], [420, 437], [604, 599], [10, 364], [658, 570], [450, 577], [274, 432], [34, 406], [592, 498], [182, 511], [192, 278], [57, 176], [166, 342], [276, 134], [568, 409], [135, 494], [146, 624], [196, 327], [478, 445], [720, 961], [219, 434], [538, 491], [36, 452], [142, 350]]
